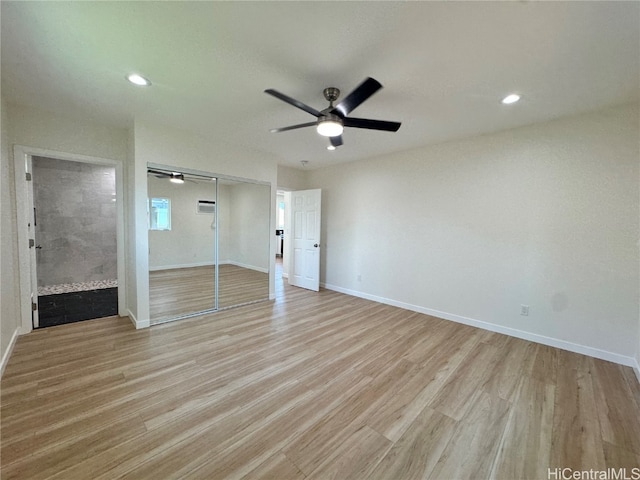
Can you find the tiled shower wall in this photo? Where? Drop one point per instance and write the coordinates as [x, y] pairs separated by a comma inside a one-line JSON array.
[[75, 221]]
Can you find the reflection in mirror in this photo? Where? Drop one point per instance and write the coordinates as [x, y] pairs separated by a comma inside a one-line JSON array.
[[185, 222], [244, 235], [181, 246]]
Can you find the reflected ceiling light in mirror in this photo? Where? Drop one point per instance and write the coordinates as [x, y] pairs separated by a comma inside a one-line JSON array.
[[176, 178], [512, 98], [138, 80]]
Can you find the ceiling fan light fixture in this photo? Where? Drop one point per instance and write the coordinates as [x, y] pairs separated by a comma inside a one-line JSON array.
[[330, 126], [176, 178]]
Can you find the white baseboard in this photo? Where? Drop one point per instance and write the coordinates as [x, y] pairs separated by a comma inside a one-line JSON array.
[[513, 332], [636, 366], [244, 265], [7, 354], [184, 265], [208, 264], [138, 323]]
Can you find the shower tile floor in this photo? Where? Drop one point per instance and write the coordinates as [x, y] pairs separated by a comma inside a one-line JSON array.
[[68, 303], [77, 287]]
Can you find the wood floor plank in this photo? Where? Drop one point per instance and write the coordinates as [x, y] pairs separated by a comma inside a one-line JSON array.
[[576, 438], [476, 439], [397, 414], [545, 365], [455, 397], [356, 458], [316, 384], [620, 458], [309, 449], [418, 450], [513, 361], [276, 467], [632, 382], [525, 449], [45, 463], [618, 412]]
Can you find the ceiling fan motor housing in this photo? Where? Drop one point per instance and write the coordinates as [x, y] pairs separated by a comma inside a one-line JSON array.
[[331, 94]]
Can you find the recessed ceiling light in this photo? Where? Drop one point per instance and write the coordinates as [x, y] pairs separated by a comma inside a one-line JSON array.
[[139, 80], [513, 98], [331, 147]]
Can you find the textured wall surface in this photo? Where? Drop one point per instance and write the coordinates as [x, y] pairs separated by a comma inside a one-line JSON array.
[[76, 221]]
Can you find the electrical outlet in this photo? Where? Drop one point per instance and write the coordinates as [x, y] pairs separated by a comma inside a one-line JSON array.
[[524, 310]]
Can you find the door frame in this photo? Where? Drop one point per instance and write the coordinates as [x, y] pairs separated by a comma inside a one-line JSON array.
[[22, 156]]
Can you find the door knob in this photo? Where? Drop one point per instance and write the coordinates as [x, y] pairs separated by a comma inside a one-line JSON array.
[[316, 245], [38, 247]]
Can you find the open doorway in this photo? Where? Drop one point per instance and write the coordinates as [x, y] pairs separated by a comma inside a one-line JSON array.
[[32, 225], [75, 228], [280, 232]]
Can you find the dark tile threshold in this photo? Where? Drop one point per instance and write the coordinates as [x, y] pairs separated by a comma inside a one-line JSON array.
[[63, 308]]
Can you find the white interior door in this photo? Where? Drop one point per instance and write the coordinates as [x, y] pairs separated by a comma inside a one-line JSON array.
[[305, 233]]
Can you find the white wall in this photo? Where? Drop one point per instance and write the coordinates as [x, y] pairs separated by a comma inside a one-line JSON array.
[[291, 178], [130, 217], [249, 226], [9, 278], [637, 365], [43, 130], [637, 359], [190, 242], [546, 216], [38, 128]]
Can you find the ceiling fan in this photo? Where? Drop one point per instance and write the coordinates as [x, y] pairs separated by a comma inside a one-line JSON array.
[[174, 177], [331, 121]]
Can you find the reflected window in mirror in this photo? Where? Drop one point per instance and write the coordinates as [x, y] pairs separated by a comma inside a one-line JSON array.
[[159, 214]]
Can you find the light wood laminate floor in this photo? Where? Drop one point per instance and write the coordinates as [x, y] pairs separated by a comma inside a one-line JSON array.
[[182, 291], [313, 385]]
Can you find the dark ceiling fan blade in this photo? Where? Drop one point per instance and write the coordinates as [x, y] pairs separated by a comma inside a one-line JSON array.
[[336, 141], [158, 173], [357, 96], [293, 101], [372, 124], [293, 127]]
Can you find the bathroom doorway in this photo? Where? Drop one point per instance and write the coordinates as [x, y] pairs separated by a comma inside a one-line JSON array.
[[75, 238]]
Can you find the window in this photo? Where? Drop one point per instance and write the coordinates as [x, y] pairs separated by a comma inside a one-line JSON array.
[[160, 214]]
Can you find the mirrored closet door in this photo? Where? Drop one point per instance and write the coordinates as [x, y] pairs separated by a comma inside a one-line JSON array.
[[208, 243], [243, 242]]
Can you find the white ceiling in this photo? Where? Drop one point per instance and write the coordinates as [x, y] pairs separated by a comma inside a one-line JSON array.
[[444, 65]]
